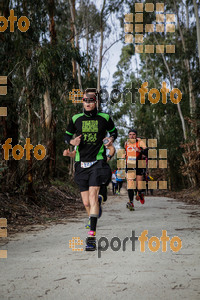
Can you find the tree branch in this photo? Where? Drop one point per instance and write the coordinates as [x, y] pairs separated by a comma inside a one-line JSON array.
[[111, 46]]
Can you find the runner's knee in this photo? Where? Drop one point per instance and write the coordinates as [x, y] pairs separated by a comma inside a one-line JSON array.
[[86, 203]]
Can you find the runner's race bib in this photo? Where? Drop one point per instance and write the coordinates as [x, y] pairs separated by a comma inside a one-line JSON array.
[[131, 158], [87, 164]]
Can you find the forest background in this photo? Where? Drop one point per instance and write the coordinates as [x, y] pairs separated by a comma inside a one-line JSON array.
[[67, 46]]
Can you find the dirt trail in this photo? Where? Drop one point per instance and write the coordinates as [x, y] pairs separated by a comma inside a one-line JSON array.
[[41, 265]]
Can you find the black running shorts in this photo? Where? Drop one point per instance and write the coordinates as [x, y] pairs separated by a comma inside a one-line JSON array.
[[139, 171], [98, 174]]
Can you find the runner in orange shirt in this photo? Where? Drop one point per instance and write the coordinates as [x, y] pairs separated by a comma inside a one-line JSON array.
[[135, 148]]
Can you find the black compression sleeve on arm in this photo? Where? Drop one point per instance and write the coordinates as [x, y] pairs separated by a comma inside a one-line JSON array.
[[114, 134], [67, 138], [71, 129], [111, 129]]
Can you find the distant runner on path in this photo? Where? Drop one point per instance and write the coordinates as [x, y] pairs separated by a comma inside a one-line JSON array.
[[135, 149], [119, 179]]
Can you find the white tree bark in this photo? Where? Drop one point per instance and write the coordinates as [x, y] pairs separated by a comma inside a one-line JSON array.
[[47, 109], [198, 26], [187, 65], [76, 42], [172, 86], [101, 47]]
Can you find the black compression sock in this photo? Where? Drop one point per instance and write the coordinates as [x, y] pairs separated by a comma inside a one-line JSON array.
[[93, 222], [130, 194]]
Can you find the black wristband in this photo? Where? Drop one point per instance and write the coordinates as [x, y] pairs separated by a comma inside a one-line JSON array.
[[109, 156]]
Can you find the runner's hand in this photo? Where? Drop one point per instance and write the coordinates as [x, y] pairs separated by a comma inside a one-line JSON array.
[[110, 141], [68, 153], [137, 149], [76, 141]]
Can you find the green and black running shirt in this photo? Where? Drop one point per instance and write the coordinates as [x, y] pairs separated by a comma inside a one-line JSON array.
[[93, 130]]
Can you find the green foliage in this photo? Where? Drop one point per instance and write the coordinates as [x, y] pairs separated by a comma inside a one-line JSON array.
[[158, 120]]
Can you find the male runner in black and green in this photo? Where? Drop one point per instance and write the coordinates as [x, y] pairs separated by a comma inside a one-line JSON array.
[[91, 169]]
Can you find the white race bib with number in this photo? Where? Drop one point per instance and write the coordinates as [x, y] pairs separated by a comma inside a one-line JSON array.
[[131, 158], [87, 164]]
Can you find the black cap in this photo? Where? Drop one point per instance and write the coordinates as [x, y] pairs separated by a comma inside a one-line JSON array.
[[133, 130]]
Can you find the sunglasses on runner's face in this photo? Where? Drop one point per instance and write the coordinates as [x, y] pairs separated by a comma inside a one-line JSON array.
[[89, 100]]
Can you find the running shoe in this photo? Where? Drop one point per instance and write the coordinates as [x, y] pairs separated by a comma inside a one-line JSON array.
[[92, 233], [90, 243], [141, 196], [100, 198], [88, 224], [137, 197], [131, 206]]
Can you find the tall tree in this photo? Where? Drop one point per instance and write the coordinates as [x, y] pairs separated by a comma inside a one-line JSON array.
[[76, 36], [197, 26], [101, 44]]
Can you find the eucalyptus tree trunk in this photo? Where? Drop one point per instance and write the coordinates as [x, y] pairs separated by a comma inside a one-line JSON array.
[[29, 190], [101, 47], [87, 48], [172, 86], [10, 124], [187, 65], [198, 44], [47, 109], [50, 124], [72, 7], [190, 177], [197, 26], [73, 13], [192, 101]]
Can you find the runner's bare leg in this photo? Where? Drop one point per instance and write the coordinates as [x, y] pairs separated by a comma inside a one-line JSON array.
[[93, 200], [86, 202]]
